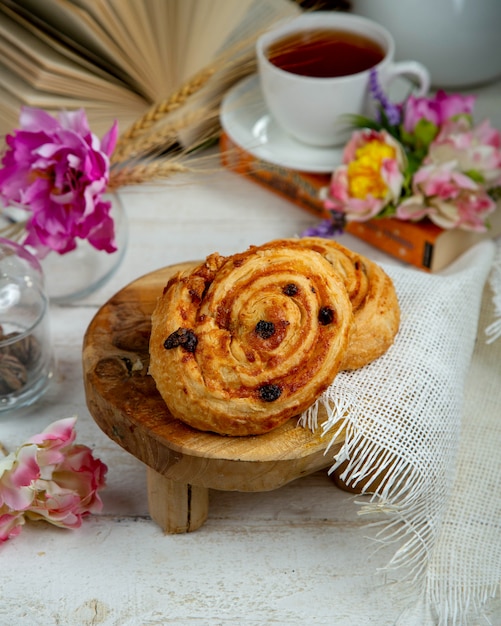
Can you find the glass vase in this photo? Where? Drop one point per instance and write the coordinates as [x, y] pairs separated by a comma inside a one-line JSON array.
[[78, 273]]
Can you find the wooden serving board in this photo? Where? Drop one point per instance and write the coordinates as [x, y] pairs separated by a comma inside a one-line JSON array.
[[183, 463]]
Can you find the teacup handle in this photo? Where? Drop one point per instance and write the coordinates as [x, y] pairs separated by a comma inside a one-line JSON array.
[[416, 71]]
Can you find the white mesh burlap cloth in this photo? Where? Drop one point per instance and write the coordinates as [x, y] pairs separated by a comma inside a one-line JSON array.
[[424, 422]]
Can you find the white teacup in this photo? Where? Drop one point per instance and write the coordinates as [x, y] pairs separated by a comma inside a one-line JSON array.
[[313, 109]]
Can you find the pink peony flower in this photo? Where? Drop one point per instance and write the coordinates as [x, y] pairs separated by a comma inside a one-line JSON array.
[[370, 177], [70, 491], [476, 151], [58, 170], [17, 473], [50, 478], [414, 209], [449, 198], [437, 110], [53, 442], [10, 523]]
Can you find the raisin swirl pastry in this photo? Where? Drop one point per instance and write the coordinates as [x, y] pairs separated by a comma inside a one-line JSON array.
[[241, 344], [372, 294], [375, 304]]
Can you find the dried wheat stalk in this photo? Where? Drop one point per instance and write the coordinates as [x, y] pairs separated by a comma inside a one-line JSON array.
[[163, 138], [189, 115], [158, 111], [145, 172], [155, 170], [206, 90]]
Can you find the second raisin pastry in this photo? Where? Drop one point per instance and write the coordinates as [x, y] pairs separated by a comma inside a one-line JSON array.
[[372, 294], [376, 320], [241, 344]]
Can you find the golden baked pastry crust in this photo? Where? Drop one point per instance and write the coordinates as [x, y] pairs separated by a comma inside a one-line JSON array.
[[241, 344], [376, 320], [350, 266], [373, 297]]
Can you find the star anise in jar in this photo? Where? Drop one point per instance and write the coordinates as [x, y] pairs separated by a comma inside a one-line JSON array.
[[13, 374]]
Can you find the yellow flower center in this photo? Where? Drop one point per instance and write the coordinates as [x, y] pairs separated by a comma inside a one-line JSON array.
[[364, 173]]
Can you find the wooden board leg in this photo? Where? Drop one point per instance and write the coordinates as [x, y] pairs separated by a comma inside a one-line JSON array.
[[176, 507]]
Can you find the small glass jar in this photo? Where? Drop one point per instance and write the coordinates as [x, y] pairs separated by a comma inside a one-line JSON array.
[[26, 358]]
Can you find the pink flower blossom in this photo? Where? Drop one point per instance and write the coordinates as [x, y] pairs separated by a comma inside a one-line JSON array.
[[449, 198], [11, 523], [424, 158], [58, 170], [370, 177], [51, 478], [17, 473], [54, 441], [437, 110], [414, 209], [70, 491], [476, 151]]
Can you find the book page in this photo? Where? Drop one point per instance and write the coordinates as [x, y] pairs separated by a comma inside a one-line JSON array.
[[25, 94], [127, 25], [259, 17], [63, 51], [9, 113], [194, 32], [16, 93], [209, 24], [77, 28], [133, 53], [45, 68], [162, 31]]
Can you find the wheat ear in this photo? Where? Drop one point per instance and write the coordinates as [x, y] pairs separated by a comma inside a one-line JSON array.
[[158, 111], [145, 173], [163, 138]]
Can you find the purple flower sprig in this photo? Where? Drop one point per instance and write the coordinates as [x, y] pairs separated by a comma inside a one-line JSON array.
[[389, 113], [328, 227]]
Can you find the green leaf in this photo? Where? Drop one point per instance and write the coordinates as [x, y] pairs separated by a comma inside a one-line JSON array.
[[361, 121], [388, 211], [495, 193], [424, 133], [476, 176]]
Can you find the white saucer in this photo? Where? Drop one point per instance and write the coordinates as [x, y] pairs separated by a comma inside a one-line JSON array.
[[245, 119]]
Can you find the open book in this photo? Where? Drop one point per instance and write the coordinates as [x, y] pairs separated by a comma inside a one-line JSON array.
[[115, 58]]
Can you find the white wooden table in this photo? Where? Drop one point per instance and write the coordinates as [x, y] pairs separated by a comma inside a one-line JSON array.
[[298, 555]]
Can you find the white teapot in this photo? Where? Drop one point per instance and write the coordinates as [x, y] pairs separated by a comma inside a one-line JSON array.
[[457, 40]]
